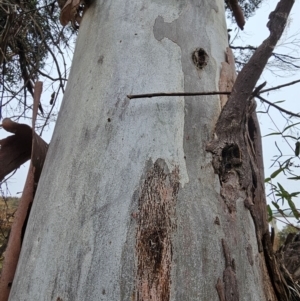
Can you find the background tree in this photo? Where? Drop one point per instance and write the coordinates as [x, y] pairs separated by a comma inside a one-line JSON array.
[[33, 46]]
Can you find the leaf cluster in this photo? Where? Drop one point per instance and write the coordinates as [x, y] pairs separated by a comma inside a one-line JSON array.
[[288, 168]]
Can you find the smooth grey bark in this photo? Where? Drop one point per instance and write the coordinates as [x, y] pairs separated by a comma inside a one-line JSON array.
[[108, 154]]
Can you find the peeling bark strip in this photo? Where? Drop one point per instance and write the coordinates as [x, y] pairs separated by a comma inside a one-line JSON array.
[[227, 76], [156, 221]]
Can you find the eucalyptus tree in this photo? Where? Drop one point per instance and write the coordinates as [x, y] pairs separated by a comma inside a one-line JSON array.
[[154, 198]]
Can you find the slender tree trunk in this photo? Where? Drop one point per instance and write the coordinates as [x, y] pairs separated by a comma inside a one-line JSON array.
[[129, 206]]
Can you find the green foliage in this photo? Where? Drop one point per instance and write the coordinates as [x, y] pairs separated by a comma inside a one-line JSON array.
[[279, 195]]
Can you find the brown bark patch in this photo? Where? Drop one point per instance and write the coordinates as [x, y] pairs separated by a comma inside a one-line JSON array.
[[228, 288], [227, 76], [250, 254], [229, 191], [156, 221]]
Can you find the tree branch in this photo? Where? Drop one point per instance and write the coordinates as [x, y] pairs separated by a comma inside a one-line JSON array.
[[278, 57], [280, 86], [285, 58], [149, 95], [237, 103], [236, 146], [277, 107]]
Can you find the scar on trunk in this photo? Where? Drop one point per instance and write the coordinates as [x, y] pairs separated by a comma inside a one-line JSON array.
[[155, 223]]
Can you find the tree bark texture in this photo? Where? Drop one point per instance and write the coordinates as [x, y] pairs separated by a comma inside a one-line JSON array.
[[129, 206], [237, 151]]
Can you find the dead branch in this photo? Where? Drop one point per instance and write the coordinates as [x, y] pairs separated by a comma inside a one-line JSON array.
[[277, 107], [249, 47], [165, 94], [237, 104], [288, 60], [255, 93], [237, 13], [16, 149], [280, 86]]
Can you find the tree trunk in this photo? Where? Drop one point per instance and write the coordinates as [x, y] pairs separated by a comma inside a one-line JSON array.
[[129, 206]]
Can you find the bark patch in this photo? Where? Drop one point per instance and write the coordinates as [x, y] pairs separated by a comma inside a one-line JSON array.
[[156, 221], [227, 76], [250, 254], [228, 288]]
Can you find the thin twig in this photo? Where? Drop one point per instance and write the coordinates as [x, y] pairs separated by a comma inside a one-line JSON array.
[[49, 114], [248, 47], [57, 66], [277, 107], [149, 95], [275, 54], [37, 9], [49, 77], [280, 86]]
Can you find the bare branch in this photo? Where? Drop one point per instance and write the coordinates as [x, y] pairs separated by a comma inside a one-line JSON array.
[[277, 107], [37, 9], [149, 95], [288, 60], [280, 86], [246, 80], [278, 57]]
